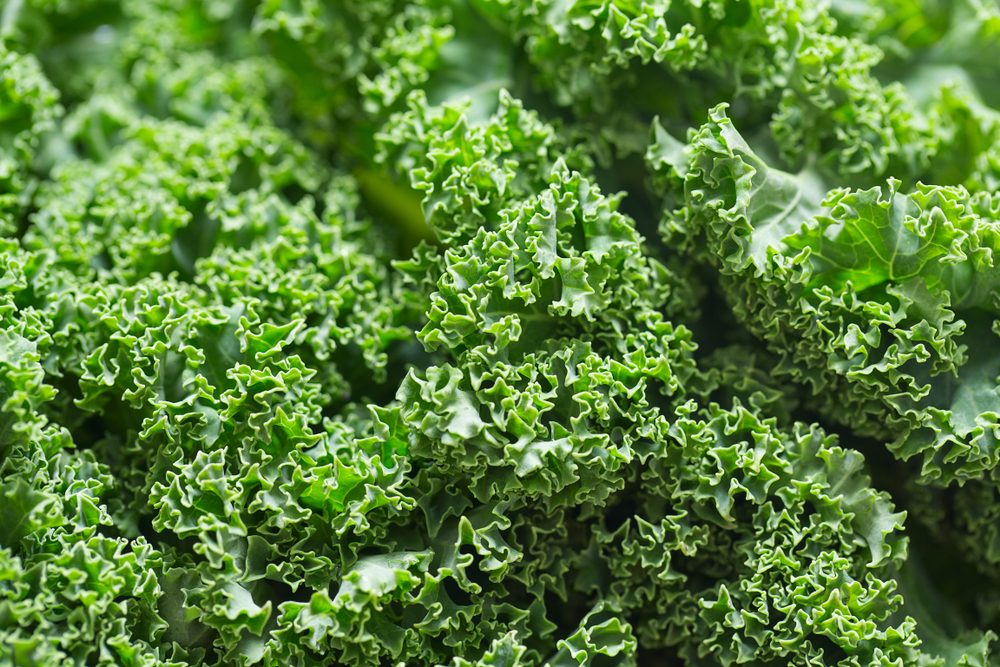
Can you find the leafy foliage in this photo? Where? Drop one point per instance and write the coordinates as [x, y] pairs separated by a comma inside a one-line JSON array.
[[496, 334]]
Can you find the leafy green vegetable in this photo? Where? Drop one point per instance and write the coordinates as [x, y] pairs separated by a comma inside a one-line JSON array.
[[493, 334]]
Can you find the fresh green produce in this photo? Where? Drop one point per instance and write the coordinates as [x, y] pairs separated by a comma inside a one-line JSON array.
[[499, 333]]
